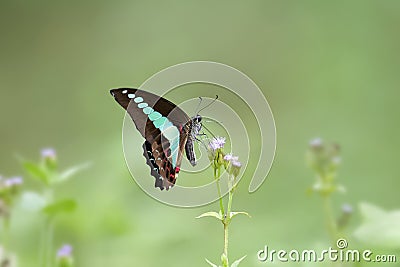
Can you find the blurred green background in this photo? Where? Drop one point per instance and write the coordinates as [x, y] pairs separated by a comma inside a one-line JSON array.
[[327, 68]]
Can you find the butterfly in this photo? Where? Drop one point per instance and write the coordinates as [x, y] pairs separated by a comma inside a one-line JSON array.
[[167, 130]]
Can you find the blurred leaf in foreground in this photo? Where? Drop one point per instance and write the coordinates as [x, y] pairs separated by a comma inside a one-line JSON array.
[[380, 228]]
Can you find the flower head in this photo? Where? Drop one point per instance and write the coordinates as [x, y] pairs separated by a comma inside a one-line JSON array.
[[236, 163], [48, 153], [49, 157], [232, 164], [64, 251], [230, 157], [14, 181], [217, 143], [316, 143], [347, 209]]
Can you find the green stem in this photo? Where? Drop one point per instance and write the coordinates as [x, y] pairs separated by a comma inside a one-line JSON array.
[[6, 240], [226, 222], [47, 246], [331, 224], [230, 199], [221, 203], [330, 219], [6, 232], [226, 241]]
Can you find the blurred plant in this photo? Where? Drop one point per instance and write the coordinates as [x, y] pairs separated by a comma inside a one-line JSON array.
[[379, 228], [47, 173], [64, 256], [324, 159], [232, 165], [9, 189]]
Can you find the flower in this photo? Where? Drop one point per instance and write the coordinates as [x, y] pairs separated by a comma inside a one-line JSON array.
[[64, 256], [48, 153], [65, 251], [230, 157], [217, 143], [347, 209], [49, 157], [236, 163], [14, 181], [232, 164], [316, 143]]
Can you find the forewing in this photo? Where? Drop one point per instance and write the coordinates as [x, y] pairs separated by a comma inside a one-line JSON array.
[[163, 154]]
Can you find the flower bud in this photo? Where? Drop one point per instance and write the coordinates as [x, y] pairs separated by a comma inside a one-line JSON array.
[[64, 256], [323, 158], [49, 158]]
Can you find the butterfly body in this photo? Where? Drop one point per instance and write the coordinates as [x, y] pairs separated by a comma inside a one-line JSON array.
[[167, 130]]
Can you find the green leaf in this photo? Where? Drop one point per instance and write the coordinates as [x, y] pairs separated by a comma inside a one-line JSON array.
[[212, 264], [65, 175], [65, 205], [371, 212], [36, 172], [379, 228], [233, 214], [210, 214], [236, 263]]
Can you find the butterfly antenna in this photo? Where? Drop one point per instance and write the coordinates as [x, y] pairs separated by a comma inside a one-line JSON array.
[[212, 102], [198, 105]]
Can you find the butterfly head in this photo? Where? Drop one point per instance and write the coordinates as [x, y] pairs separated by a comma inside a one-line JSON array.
[[197, 119]]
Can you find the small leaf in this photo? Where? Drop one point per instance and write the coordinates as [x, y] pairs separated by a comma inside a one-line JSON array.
[[236, 263], [233, 214], [65, 205], [210, 214], [212, 264], [65, 175], [36, 171]]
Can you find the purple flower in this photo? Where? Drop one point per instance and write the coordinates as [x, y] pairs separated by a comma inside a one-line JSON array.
[[230, 157], [13, 181], [236, 163], [347, 208], [234, 160], [217, 142], [65, 251], [48, 153]]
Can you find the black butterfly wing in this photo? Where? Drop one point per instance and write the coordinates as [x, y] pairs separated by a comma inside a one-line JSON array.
[[163, 155]]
